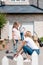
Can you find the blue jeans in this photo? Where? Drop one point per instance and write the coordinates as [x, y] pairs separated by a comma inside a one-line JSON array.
[[15, 46], [37, 51], [28, 50], [22, 36]]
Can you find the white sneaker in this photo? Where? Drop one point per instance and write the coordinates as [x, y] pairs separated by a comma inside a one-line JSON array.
[[27, 60], [15, 58]]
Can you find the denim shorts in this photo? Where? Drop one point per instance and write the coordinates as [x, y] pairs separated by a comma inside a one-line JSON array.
[[29, 50]]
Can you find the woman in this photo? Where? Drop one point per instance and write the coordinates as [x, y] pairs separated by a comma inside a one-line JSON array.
[[28, 45]]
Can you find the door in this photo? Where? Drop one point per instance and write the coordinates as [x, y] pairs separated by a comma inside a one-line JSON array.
[[29, 27]]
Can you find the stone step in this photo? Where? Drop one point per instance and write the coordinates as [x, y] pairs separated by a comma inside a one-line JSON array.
[[12, 62]]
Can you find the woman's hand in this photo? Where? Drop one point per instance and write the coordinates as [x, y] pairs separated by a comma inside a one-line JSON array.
[[17, 54]]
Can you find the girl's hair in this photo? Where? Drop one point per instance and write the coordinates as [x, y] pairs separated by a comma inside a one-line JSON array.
[[15, 23]]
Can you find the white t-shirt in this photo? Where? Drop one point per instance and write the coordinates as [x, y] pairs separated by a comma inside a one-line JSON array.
[[16, 34], [31, 43]]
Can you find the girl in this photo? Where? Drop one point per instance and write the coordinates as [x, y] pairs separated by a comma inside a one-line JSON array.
[[15, 36]]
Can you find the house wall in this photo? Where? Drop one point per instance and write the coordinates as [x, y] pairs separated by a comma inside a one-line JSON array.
[[26, 2], [5, 31], [34, 2], [40, 3], [11, 2], [36, 19], [38, 26], [26, 18]]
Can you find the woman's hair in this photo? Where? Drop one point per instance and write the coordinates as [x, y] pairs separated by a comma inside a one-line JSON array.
[[35, 38], [28, 33]]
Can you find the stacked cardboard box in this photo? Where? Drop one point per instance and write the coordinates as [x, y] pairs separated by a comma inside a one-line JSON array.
[[2, 44]]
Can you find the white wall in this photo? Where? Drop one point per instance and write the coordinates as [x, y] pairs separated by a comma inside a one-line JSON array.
[[5, 31], [38, 26], [10, 2], [10, 31]]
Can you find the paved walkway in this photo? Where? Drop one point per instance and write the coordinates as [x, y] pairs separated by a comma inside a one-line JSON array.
[[41, 56], [12, 62]]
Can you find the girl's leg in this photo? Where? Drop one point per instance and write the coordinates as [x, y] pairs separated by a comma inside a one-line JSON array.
[[14, 48]]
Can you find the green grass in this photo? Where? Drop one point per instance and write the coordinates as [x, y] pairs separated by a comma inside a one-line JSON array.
[[41, 39]]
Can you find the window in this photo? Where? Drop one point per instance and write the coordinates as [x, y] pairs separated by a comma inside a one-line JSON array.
[[18, 0]]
